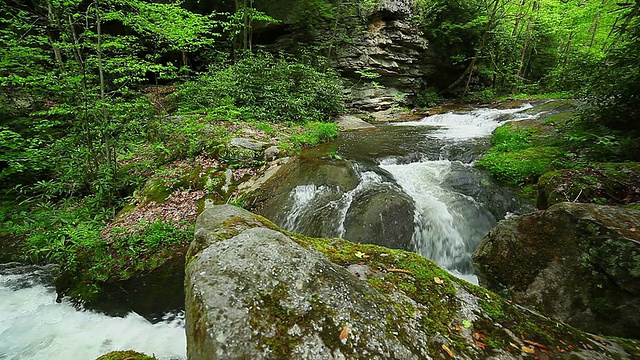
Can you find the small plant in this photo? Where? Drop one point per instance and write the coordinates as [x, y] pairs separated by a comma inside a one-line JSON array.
[[314, 133], [427, 98]]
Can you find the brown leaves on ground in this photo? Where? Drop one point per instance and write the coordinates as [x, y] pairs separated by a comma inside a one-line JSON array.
[[179, 208]]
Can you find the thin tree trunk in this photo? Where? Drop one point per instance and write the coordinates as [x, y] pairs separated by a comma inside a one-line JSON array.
[[334, 33], [50, 35], [110, 161]]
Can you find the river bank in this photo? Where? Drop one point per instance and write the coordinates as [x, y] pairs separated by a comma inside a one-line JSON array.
[[150, 234]]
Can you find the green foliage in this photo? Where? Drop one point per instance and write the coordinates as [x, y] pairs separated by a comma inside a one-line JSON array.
[[314, 133], [515, 160], [427, 98], [185, 136], [265, 88]]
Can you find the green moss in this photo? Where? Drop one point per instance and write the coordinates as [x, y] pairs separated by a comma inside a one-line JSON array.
[[402, 271], [125, 355]]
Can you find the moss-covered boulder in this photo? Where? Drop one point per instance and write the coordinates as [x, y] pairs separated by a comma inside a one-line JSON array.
[[610, 183], [579, 263], [255, 291], [125, 355]]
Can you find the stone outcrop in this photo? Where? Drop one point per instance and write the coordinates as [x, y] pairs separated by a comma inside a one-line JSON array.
[[611, 183], [579, 263], [256, 292], [390, 47]]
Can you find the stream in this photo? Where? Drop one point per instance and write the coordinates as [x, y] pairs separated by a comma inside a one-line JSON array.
[[34, 326], [409, 185]]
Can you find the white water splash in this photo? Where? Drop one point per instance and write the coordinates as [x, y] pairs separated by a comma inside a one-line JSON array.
[[448, 225], [308, 201], [472, 124], [34, 326]]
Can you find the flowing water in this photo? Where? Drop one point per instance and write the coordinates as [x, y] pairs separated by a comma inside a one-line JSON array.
[[410, 185], [34, 326], [414, 187]]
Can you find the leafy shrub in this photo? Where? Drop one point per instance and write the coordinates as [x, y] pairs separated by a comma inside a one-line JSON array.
[[514, 159], [263, 87], [315, 133], [427, 98]]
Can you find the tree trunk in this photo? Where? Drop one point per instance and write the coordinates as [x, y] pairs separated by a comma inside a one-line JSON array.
[[109, 160]]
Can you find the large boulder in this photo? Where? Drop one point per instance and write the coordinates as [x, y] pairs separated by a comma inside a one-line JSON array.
[[256, 292], [610, 183], [579, 263]]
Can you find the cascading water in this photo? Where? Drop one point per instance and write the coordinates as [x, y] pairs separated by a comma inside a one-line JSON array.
[[451, 205], [34, 326]]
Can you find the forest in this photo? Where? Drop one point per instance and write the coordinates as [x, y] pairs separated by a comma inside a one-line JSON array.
[[101, 99]]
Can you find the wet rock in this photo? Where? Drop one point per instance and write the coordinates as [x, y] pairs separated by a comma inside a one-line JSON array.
[[381, 217], [350, 122], [125, 355], [579, 263], [255, 292]]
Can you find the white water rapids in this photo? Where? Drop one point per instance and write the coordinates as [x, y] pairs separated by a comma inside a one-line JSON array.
[[447, 227], [448, 224], [34, 327]]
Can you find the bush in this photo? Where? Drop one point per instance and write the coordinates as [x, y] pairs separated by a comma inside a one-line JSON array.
[[513, 158], [427, 98], [314, 133], [266, 88]]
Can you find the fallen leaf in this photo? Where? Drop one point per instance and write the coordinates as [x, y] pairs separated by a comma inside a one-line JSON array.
[[458, 328], [528, 350], [366, 256], [560, 349], [479, 336], [344, 333], [633, 229], [480, 345], [466, 323], [447, 350], [437, 280], [359, 254], [533, 343]]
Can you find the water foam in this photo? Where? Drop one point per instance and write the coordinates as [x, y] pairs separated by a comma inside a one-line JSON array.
[[34, 326]]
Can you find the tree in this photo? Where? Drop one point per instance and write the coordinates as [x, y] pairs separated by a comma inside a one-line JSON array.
[[61, 69]]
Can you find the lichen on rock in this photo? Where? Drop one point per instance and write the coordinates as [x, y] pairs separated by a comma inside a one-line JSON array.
[[256, 291], [579, 263]]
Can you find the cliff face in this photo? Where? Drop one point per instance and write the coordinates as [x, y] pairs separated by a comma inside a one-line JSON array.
[[391, 47], [376, 45]]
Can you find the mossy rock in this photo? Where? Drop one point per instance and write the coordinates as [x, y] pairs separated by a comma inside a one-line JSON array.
[[255, 291], [603, 183], [579, 263], [125, 355], [149, 291]]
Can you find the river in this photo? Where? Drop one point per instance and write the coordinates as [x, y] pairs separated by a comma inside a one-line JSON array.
[[34, 327], [409, 185]]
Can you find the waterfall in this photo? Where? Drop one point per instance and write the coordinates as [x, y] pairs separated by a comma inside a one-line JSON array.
[[448, 222]]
